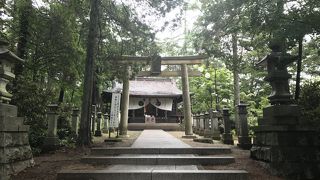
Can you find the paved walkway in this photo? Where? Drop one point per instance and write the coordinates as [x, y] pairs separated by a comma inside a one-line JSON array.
[[156, 139]]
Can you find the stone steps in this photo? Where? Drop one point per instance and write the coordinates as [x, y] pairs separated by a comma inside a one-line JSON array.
[[130, 150], [153, 175], [156, 155], [159, 160]]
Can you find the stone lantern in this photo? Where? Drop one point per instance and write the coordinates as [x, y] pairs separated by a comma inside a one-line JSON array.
[[214, 124], [244, 141], [98, 130], [15, 151], [75, 120], [287, 145], [227, 136], [52, 141], [7, 63]]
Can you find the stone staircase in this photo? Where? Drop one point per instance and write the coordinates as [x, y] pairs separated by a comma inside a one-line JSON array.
[[131, 163]]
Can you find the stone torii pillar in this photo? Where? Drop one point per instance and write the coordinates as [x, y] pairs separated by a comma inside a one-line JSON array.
[[123, 127], [156, 62], [186, 100]]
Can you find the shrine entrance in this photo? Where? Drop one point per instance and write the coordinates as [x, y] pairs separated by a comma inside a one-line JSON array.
[[155, 71]]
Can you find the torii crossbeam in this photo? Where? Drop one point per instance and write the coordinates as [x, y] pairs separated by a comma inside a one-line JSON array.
[[156, 62]]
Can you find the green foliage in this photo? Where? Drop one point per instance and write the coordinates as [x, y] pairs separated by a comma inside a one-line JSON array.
[[64, 121], [310, 103], [205, 91], [32, 100]]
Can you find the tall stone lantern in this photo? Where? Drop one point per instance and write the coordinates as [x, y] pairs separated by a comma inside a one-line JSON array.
[[286, 145], [15, 151]]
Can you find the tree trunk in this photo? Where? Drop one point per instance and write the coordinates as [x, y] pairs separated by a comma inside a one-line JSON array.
[[84, 132], [236, 87], [61, 95], [298, 79], [24, 9]]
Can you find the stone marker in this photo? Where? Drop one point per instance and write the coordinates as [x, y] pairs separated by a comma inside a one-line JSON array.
[[283, 141], [207, 126], [52, 141], [105, 128], [244, 141], [15, 151], [75, 120], [194, 123], [98, 131], [227, 136], [201, 122], [215, 125]]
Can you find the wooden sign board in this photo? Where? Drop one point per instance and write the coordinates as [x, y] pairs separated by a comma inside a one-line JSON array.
[[115, 110]]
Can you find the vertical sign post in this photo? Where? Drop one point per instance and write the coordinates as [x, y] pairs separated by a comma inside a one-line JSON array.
[[115, 111]]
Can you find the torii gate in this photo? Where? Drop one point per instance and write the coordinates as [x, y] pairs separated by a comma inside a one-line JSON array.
[[156, 62]]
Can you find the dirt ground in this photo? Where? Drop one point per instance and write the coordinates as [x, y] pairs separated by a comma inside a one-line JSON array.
[[49, 164]]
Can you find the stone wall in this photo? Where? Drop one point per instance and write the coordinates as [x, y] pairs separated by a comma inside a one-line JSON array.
[[15, 151]]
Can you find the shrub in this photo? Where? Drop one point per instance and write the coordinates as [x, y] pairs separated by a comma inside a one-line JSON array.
[[32, 100], [310, 103]]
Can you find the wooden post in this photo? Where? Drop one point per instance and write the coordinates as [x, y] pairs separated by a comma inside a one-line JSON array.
[[124, 105], [186, 100]]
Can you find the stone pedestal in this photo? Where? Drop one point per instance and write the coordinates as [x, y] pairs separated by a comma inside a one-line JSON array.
[[244, 141], [105, 128], [287, 146], [75, 121], [214, 125], [98, 131], [15, 151], [227, 136], [52, 141]]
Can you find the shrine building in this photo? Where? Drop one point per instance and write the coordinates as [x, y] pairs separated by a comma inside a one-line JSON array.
[[153, 102]]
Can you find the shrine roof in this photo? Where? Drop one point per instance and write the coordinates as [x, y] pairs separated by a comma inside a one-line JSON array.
[[151, 87]]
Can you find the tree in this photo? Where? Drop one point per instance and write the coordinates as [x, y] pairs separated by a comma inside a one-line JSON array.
[[24, 8], [84, 132]]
